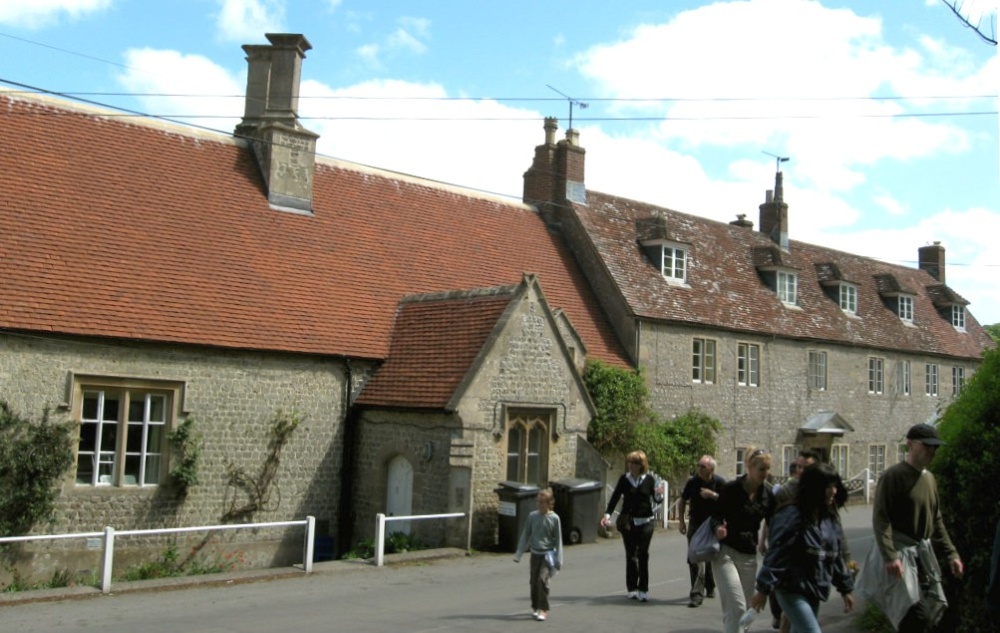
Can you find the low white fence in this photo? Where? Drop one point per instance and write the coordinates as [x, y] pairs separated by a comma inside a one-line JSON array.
[[381, 520], [109, 534], [862, 483]]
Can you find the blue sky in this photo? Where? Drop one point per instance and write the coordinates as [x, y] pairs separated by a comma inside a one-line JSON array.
[[887, 110]]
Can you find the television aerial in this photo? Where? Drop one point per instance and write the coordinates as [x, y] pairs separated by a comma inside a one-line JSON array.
[[572, 102]]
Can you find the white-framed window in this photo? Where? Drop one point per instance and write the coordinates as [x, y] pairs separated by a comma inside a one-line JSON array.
[[839, 458], [741, 456], [123, 434], [876, 460], [849, 298], [817, 370], [958, 317], [957, 380], [905, 308], [788, 457], [903, 377], [787, 287], [748, 364], [876, 375], [931, 380], [528, 446], [703, 361], [673, 263]]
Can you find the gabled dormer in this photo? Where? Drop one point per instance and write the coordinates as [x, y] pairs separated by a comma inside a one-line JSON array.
[[772, 265], [670, 256], [897, 298], [837, 287]]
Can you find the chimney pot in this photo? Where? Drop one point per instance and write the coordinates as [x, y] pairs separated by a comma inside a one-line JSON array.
[[551, 125]]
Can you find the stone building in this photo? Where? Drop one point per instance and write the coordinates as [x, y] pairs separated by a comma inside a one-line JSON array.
[[428, 339], [788, 344]]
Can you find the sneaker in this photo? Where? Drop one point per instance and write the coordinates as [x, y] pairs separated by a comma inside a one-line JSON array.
[[695, 601], [534, 614], [643, 596], [632, 595], [541, 616], [710, 593]]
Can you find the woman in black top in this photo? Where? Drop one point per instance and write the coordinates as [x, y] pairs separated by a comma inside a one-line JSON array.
[[639, 492], [743, 503]]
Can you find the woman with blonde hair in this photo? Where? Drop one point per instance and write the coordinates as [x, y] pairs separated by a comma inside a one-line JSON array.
[[743, 504], [639, 493]]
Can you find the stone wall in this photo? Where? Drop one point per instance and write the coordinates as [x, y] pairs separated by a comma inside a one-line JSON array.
[[770, 415], [233, 397]]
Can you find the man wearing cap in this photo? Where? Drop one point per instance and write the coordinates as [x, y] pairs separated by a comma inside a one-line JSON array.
[[910, 532]]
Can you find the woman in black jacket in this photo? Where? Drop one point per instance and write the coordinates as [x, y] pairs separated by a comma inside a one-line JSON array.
[[743, 504], [804, 559], [639, 493]]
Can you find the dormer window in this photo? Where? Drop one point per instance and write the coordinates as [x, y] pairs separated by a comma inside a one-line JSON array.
[[661, 247], [958, 317], [787, 287], [904, 308], [673, 262], [849, 298]]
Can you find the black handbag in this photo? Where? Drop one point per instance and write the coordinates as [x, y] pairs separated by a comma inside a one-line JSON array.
[[624, 522]]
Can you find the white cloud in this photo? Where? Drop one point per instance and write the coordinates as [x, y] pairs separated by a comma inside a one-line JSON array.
[[791, 84], [200, 86], [37, 13], [248, 20], [400, 126], [409, 38]]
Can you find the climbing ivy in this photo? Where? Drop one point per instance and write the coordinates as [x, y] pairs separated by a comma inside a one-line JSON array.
[[186, 444], [260, 492], [33, 458]]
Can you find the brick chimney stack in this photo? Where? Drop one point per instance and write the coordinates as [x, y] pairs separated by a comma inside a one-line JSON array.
[[931, 259], [556, 173], [774, 214], [285, 151]]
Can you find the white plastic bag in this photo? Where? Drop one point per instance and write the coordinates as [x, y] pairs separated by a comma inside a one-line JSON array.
[[704, 545]]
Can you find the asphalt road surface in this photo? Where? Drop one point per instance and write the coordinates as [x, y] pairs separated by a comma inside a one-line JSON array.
[[484, 593]]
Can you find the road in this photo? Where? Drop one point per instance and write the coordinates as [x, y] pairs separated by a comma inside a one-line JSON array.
[[485, 592]]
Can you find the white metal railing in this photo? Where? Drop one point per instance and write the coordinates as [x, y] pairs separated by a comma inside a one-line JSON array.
[[110, 533], [381, 519], [862, 480]]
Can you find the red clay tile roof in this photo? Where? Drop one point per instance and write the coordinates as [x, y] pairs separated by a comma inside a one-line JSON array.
[[726, 290], [154, 232], [434, 343]]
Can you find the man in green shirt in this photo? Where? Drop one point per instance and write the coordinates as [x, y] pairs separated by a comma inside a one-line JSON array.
[[907, 515]]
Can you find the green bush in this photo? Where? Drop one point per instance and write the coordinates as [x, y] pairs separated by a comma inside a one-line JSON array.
[[968, 474], [33, 458], [673, 446], [620, 397]]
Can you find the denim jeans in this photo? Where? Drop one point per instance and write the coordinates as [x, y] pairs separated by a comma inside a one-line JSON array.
[[734, 577], [800, 611]]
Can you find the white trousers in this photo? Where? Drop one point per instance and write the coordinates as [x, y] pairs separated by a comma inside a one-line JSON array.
[[734, 582]]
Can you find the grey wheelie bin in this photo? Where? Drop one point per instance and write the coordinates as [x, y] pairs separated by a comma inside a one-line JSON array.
[[578, 506], [517, 500]]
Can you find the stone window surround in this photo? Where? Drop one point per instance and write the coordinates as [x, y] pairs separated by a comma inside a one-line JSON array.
[[77, 383]]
